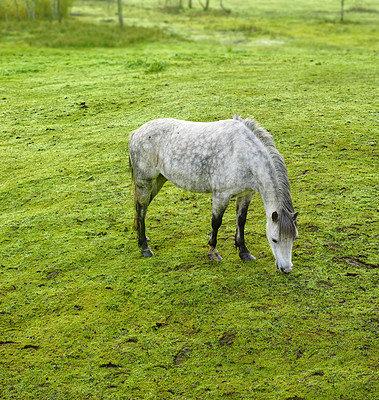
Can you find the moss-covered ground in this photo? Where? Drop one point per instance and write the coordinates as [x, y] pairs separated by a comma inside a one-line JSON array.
[[82, 315]]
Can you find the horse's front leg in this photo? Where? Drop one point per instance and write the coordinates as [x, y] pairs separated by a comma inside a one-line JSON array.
[[242, 207], [219, 204]]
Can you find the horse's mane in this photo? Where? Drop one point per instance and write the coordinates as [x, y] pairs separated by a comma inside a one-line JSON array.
[[287, 225]]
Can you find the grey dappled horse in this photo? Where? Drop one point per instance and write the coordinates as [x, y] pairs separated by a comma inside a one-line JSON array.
[[230, 158]]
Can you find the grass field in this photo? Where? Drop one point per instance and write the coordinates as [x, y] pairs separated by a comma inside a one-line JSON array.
[[82, 315]]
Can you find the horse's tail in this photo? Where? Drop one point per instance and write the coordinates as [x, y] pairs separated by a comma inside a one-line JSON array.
[[131, 171]]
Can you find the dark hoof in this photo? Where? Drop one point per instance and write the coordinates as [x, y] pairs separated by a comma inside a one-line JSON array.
[[147, 252], [247, 257]]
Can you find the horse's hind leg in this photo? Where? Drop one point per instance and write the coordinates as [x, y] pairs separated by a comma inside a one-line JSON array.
[[141, 233], [158, 182], [142, 200], [242, 207], [219, 204], [146, 190]]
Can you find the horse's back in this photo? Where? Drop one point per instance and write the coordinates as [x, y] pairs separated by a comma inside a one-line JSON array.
[[188, 134], [197, 156]]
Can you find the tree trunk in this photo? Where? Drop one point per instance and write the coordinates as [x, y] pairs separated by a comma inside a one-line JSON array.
[[53, 9], [342, 9], [206, 5], [31, 9], [28, 9], [59, 15], [120, 18], [225, 9]]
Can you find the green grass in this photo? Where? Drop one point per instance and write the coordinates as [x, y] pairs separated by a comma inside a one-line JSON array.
[[82, 315], [71, 34]]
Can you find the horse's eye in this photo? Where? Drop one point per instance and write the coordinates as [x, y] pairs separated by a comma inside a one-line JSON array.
[[274, 240]]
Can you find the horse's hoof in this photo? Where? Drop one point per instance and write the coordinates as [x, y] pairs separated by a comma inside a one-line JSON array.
[[147, 252], [214, 257], [247, 257]]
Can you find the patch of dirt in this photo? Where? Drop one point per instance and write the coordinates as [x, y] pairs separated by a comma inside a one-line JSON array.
[[159, 324], [309, 227], [30, 346], [182, 355], [351, 274], [227, 338], [53, 274], [355, 262], [335, 245], [318, 373], [131, 340], [110, 365], [324, 284], [185, 266]]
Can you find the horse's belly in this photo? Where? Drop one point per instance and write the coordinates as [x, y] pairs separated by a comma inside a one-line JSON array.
[[191, 182]]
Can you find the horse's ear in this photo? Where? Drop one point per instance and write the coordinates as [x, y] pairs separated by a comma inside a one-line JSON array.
[[295, 216], [275, 216]]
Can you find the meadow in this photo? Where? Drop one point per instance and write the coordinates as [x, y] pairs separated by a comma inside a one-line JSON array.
[[82, 314]]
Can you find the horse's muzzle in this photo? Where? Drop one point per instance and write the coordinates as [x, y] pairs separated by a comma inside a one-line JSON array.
[[284, 270]]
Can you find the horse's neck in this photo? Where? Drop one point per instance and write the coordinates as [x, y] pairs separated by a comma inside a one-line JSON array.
[[269, 191]]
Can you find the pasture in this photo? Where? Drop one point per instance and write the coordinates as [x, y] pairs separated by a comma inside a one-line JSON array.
[[82, 314]]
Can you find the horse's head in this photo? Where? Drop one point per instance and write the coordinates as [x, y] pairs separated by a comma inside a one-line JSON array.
[[281, 233]]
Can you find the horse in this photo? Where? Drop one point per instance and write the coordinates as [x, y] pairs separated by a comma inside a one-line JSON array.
[[228, 158]]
